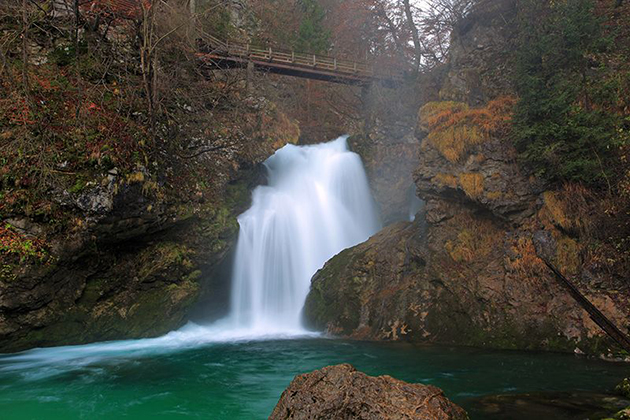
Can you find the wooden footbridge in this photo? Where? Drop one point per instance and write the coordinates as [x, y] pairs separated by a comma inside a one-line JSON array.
[[217, 53]]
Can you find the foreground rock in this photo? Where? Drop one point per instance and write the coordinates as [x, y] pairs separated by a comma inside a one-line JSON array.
[[341, 392]]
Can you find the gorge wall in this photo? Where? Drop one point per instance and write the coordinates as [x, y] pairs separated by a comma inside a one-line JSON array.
[[466, 272], [113, 217]]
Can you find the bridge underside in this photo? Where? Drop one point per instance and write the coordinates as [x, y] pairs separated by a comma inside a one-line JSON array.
[[306, 72]]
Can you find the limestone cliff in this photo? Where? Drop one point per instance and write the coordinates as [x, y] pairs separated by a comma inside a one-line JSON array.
[[119, 189], [467, 272]]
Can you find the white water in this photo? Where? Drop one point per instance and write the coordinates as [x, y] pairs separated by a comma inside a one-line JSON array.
[[317, 203], [415, 204]]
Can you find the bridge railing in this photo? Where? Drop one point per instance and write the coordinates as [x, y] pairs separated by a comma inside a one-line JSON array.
[[288, 57]]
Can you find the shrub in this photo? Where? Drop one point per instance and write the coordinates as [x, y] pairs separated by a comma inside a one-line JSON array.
[[13, 243]]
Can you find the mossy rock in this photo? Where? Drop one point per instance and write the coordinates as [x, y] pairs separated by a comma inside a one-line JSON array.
[[621, 415], [623, 388]]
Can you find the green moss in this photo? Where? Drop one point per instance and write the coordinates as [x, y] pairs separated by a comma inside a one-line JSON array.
[[330, 299], [78, 186], [623, 388], [193, 277], [7, 272], [162, 256], [238, 195]]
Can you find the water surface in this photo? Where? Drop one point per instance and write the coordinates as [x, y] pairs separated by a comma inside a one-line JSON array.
[[243, 380]]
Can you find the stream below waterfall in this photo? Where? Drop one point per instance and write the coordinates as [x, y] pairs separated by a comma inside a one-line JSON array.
[[316, 203], [244, 379]]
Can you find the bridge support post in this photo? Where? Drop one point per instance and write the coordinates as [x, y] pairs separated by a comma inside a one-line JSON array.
[[250, 78], [367, 101]]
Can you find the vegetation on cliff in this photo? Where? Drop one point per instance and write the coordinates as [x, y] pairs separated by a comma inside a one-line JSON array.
[[455, 128], [111, 135], [573, 81], [469, 270]]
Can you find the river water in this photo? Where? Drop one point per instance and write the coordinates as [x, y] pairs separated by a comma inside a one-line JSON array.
[[243, 379], [317, 202]]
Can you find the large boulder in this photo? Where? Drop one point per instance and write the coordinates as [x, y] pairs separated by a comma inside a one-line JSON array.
[[459, 278], [341, 392]]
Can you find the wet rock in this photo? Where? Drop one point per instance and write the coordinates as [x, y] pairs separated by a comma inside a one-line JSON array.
[[558, 406], [125, 272], [465, 280], [389, 160], [341, 392]]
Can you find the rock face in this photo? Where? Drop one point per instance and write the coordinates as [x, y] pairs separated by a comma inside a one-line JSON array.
[[341, 392], [134, 270], [133, 252], [467, 271], [483, 37], [561, 405], [389, 161], [460, 280]]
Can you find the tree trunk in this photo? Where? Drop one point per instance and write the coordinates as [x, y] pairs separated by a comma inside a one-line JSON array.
[[25, 47], [414, 33], [77, 21]]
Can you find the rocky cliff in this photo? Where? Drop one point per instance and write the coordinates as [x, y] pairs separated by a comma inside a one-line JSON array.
[[116, 212], [132, 258], [467, 271]]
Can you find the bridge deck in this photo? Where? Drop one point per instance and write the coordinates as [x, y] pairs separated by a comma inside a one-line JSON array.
[[223, 54]]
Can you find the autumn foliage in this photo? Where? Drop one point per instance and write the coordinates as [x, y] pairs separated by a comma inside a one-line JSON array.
[[17, 245], [454, 127]]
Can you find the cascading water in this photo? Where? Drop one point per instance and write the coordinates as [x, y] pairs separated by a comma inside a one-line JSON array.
[[317, 203]]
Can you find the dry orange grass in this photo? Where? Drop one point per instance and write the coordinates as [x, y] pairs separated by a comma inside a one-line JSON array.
[[446, 180], [526, 261], [455, 128], [472, 184], [475, 241], [570, 209]]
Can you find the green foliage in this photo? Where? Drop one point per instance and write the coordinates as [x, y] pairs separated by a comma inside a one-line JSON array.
[[16, 244], [216, 19], [312, 35], [65, 55], [562, 127]]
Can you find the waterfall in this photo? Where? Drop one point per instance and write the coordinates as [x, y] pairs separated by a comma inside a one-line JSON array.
[[317, 203]]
